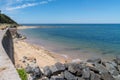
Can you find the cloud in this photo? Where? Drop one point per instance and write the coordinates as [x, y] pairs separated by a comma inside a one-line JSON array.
[[44, 2], [22, 6], [27, 4]]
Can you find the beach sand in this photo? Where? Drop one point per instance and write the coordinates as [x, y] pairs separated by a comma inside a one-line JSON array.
[[43, 57]]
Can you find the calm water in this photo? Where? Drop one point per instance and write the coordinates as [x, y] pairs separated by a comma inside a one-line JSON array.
[[77, 40]]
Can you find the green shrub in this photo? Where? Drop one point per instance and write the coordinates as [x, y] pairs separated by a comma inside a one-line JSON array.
[[22, 74]]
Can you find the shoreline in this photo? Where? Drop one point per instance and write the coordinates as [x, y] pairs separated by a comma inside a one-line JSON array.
[[81, 57], [42, 56]]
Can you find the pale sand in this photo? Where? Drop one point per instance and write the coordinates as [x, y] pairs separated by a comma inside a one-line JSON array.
[[26, 27], [42, 56]]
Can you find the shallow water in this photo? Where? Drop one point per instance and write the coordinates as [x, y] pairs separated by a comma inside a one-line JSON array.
[[77, 40]]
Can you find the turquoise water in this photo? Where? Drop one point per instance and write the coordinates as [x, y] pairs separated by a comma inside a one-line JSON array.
[[77, 40]]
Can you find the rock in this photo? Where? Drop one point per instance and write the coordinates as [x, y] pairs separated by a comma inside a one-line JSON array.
[[75, 68], [114, 64], [37, 72], [47, 71], [93, 69], [116, 77], [57, 78], [106, 76], [57, 68], [60, 66], [29, 69], [44, 78], [110, 67], [24, 57], [94, 76], [79, 78], [94, 60], [118, 68], [69, 76], [86, 73], [117, 60], [101, 68], [54, 69]]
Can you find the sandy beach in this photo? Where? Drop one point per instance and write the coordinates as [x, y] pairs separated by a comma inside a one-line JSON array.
[[43, 57]]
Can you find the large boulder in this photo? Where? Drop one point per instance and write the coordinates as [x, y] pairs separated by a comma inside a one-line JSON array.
[[110, 67], [94, 76], [69, 76], [29, 69], [106, 76], [86, 73], [101, 68], [37, 72], [75, 68], [60, 66], [47, 72], [57, 68]]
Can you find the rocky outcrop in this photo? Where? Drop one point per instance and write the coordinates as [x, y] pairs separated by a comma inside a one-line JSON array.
[[92, 69]]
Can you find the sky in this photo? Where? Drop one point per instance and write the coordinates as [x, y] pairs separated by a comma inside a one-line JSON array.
[[62, 11]]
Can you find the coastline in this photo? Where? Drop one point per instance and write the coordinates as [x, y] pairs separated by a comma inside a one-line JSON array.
[[31, 51]]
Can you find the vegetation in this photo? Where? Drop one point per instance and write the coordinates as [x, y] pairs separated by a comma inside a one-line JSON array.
[[5, 19], [22, 74]]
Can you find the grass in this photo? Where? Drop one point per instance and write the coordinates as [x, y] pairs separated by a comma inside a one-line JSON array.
[[22, 74]]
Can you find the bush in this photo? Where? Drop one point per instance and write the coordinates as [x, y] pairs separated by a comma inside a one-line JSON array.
[[22, 74]]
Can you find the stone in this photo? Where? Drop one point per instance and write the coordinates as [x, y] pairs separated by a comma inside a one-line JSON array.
[[47, 71], [60, 66], [94, 60], [37, 72], [101, 68], [106, 76], [54, 69], [93, 69], [117, 60], [57, 68], [118, 68], [94, 76], [75, 68], [44, 78], [69, 76], [57, 78], [86, 73], [116, 77], [110, 67], [29, 69], [79, 78]]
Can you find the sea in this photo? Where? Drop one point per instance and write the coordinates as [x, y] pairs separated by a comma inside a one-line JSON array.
[[77, 41]]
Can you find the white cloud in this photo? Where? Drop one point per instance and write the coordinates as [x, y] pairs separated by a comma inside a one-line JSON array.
[[33, 3], [22, 6], [43, 2]]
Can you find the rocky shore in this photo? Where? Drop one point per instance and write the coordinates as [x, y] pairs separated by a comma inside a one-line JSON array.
[[92, 69]]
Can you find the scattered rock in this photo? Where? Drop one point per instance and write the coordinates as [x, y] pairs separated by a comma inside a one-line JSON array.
[[37, 72], [75, 68], [60, 66], [117, 60], [94, 60], [57, 78], [47, 71], [86, 73], [57, 68], [101, 68], [106, 76], [29, 69], [94, 76], [69, 76]]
